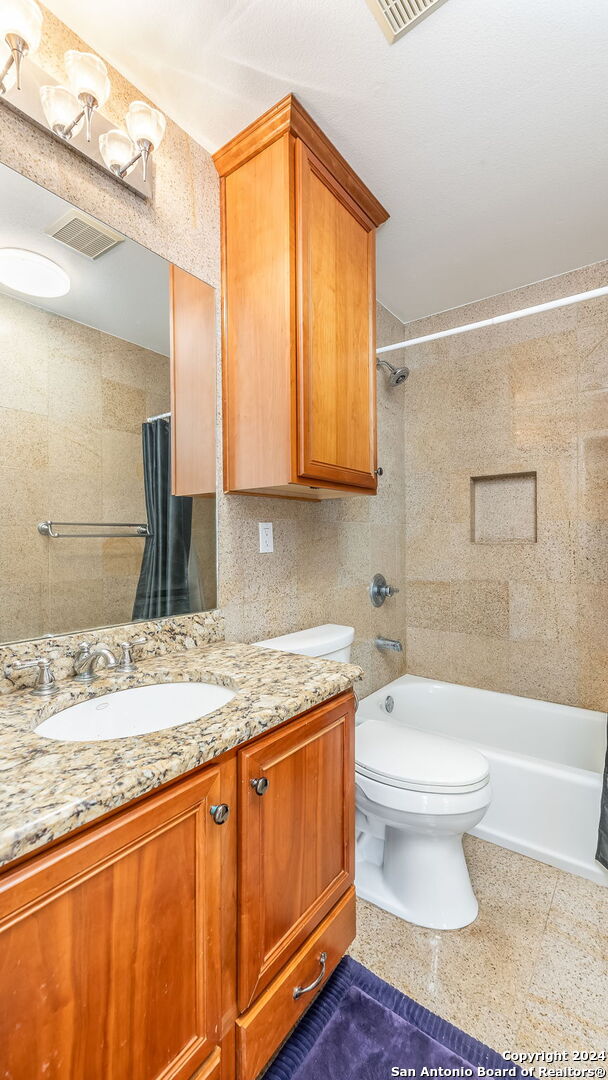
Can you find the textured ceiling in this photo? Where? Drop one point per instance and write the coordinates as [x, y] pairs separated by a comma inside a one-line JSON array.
[[483, 130]]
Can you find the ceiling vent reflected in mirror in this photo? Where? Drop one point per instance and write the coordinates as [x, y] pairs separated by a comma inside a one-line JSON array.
[[82, 233], [396, 17]]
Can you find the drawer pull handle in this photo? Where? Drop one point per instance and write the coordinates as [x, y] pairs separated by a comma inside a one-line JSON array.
[[299, 990], [261, 785], [220, 813]]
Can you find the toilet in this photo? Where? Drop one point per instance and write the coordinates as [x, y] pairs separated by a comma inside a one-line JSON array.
[[416, 795], [328, 642]]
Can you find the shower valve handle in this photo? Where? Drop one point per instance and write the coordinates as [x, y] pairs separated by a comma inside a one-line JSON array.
[[379, 590]]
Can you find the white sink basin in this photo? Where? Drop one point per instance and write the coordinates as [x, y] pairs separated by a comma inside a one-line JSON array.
[[137, 711]]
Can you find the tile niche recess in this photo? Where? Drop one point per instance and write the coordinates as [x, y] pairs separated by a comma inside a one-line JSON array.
[[503, 509]]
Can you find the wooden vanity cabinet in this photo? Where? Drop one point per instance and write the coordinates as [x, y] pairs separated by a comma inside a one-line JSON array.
[[296, 854], [299, 352], [109, 947], [157, 944]]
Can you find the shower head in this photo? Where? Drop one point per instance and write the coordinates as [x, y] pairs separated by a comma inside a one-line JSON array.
[[397, 376]]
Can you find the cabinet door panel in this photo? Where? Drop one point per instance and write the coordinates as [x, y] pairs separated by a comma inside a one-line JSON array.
[[336, 376], [109, 948], [296, 841]]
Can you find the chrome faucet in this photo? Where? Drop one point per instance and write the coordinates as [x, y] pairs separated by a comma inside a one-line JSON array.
[[389, 644], [88, 661], [45, 685]]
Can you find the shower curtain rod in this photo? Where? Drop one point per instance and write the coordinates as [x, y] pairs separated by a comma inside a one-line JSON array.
[[566, 301], [161, 416]]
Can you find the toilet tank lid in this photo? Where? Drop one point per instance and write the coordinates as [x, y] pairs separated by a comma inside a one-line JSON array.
[[316, 641]]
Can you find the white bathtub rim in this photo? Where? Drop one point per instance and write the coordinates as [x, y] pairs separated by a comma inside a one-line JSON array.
[[501, 694]]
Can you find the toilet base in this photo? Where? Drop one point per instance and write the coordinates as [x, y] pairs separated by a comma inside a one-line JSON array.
[[419, 874], [453, 912]]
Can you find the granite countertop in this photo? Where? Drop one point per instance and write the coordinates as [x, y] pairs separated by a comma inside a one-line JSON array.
[[48, 788]]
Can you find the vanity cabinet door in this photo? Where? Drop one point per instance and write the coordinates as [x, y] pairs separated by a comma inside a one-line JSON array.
[[109, 948], [296, 840]]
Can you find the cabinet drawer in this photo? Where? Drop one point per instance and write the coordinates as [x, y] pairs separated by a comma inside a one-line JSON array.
[[262, 1029]]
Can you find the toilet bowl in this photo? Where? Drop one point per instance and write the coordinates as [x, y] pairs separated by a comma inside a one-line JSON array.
[[416, 794]]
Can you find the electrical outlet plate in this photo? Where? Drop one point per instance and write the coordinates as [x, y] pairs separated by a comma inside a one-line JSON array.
[[266, 538]]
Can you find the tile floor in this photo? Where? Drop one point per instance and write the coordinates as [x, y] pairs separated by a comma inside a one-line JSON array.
[[530, 974]]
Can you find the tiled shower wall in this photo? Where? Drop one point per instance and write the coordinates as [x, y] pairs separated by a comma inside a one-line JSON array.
[[529, 396]]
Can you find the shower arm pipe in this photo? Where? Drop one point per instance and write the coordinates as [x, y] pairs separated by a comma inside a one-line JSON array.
[[565, 301]]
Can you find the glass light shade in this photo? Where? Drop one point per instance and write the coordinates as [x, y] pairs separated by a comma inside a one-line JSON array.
[[32, 274], [60, 107], [116, 149], [145, 123], [87, 74], [10, 78], [23, 18]]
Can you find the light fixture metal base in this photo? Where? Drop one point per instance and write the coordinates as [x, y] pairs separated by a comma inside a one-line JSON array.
[[26, 104]]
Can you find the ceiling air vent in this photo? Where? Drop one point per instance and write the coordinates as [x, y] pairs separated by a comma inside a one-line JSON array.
[[396, 17], [82, 233]]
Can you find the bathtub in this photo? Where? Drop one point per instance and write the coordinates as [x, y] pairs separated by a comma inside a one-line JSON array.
[[546, 764]]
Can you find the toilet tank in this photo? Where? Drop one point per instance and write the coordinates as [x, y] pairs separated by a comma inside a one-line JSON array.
[[327, 642]]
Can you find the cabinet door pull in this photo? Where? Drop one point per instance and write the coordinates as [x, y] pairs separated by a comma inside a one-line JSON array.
[[299, 990], [260, 785], [220, 813]]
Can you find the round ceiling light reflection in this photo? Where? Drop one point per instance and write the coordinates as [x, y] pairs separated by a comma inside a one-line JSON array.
[[32, 274]]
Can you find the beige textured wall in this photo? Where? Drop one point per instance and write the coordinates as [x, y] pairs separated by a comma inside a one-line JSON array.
[[525, 618], [72, 401], [325, 553]]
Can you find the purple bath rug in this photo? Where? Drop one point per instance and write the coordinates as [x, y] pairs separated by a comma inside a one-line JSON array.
[[360, 1028]]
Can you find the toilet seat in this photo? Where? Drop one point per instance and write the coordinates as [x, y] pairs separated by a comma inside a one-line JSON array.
[[391, 753]]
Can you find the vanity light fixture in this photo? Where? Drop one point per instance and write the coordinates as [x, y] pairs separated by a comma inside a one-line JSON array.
[[89, 89], [146, 127], [20, 30], [71, 109], [32, 274]]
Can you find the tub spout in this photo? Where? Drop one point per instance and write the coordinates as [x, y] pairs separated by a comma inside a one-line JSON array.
[[388, 644]]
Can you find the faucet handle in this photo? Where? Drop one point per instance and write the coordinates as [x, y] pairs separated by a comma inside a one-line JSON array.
[[45, 685], [126, 658], [379, 590]]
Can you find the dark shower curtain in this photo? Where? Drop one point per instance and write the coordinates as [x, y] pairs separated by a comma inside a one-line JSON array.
[[163, 587]]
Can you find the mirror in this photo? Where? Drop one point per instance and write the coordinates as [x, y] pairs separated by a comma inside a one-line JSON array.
[[90, 533]]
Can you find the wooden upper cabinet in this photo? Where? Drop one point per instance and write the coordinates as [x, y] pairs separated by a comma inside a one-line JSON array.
[[296, 841], [298, 253], [110, 948], [193, 383]]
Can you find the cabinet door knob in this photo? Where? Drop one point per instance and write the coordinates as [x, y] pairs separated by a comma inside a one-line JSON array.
[[220, 813], [260, 786], [299, 990]]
